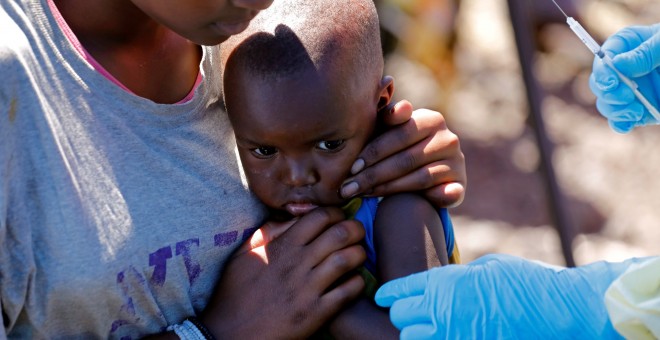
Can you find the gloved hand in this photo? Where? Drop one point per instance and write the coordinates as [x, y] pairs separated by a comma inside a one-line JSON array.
[[503, 296], [635, 52]]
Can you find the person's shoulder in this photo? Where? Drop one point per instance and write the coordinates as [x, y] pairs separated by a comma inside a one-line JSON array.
[[14, 43]]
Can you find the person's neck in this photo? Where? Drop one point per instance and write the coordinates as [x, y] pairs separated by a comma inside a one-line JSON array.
[[146, 57]]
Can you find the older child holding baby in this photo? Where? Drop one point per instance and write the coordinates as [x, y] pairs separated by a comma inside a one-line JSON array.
[[302, 86]]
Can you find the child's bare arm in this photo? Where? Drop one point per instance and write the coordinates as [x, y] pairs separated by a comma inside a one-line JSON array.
[[409, 238], [363, 320]]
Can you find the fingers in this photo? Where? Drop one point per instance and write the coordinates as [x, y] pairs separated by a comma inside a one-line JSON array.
[[626, 39], [417, 155], [335, 266], [634, 49], [615, 102], [640, 61], [396, 114], [443, 179], [326, 243], [446, 195], [312, 224], [621, 127], [266, 233], [335, 299], [631, 112], [331, 273], [606, 86], [411, 285], [341, 235], [407, 134], [419, 331], [409, 311]]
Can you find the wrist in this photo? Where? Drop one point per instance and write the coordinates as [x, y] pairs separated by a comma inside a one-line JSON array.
[[218, 326]]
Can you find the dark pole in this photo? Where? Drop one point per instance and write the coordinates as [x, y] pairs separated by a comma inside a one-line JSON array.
[[523, 28]]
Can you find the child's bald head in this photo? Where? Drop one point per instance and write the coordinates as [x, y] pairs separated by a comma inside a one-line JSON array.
[[302, 87], [294, 35]]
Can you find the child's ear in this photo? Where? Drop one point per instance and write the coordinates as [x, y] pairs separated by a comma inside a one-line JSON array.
[[385, 92]]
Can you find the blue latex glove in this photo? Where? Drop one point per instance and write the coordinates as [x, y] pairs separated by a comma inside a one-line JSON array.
[[503, 296], [635, 52]]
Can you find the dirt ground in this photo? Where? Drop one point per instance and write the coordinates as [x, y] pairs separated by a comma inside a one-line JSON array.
[[607, 179]]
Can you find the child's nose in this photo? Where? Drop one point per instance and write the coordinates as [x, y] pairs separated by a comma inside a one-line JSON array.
[[300, 173]]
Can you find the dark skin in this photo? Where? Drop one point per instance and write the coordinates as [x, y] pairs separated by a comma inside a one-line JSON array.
[[401, 252], [137, 60], [297, 309], [297, 143], [152, 47], [297, 256]]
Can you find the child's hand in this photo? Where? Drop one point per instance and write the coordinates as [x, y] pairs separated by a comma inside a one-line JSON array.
[[418, 153], [291, 286]]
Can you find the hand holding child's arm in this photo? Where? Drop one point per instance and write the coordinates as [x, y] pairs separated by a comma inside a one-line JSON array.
[[418, 153], [282, 288]]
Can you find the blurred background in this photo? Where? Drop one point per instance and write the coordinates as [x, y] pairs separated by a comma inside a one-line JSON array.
[[461, 57]]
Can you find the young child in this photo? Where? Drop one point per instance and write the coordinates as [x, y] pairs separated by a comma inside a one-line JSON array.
[[302, 86], [121, 198]]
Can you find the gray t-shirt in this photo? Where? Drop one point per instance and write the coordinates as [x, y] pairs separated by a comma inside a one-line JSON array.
[[116, 213]]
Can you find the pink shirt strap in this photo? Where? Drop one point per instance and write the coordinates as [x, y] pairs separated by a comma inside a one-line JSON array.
[[95, 64]]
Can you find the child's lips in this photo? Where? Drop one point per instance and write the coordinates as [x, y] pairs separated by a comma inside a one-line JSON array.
[[299, 209], [231, 28]]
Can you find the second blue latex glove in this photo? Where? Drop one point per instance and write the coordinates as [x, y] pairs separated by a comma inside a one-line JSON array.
[[502, 296], [635, 52]]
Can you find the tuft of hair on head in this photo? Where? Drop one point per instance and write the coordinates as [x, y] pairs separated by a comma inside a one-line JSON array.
[[293, 34]]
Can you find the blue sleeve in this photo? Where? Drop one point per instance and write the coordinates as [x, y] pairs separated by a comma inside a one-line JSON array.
[[367, 215], [448, 228]]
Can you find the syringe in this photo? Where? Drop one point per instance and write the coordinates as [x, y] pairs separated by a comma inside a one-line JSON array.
[[593, 46]]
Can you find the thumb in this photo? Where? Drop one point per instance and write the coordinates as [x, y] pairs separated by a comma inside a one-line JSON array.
[[395, 114], [266, 233], [404, 287], [641, 60]]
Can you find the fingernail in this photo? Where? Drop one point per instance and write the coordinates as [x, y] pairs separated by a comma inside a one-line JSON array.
[[350, 189], [358, 165]]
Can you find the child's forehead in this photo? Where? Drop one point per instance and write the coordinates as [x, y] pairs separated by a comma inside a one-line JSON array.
[[310, 103], [308, 91], [301, 119], [291, 134]]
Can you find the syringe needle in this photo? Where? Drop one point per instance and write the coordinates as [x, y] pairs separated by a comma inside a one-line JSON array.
[[562, 11], [595, 48]]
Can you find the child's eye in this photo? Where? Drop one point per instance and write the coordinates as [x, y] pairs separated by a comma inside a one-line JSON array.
[[330, 145], [264, 151]]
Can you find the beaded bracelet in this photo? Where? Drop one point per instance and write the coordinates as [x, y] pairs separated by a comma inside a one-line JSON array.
[[191, 329], [201, 327]]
